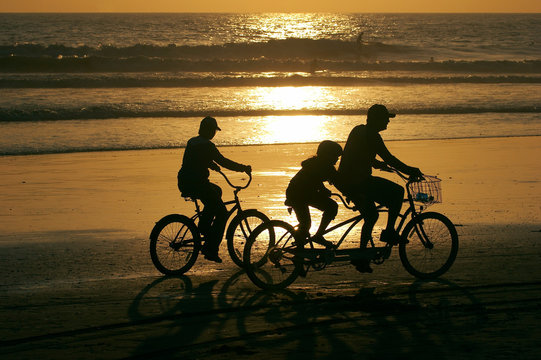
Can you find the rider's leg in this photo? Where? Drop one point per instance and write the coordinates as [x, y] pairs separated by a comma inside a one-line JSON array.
[[213, 217], [390, 195], [296, 198], [208, 195], [329, 208], [370, 215], [367, 208], [198, 190], [396, 197], [302, 212]]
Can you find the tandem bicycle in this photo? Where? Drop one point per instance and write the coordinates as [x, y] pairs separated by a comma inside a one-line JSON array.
[[273, 260]]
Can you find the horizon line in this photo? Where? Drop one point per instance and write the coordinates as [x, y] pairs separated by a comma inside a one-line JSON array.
[[268, 12]]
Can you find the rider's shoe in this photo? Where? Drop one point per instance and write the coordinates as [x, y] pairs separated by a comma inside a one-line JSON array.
[[211, 255], [391, 237], [362, 266], [318, 239]]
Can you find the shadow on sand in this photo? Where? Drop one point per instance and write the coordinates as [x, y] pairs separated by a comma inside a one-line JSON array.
[[183, 320]]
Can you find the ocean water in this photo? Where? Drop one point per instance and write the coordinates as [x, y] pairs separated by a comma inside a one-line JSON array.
[[95, 82]]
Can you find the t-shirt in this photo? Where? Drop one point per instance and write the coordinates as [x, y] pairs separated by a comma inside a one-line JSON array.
[[200, 155], [359, 156], [309, 180]]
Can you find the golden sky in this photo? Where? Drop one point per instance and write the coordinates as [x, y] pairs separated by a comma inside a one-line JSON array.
[[270, 6]]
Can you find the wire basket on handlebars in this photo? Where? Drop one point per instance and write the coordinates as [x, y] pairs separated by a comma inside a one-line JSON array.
[[426, 191]]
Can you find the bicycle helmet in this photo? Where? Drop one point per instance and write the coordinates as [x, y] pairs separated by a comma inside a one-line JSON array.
[[329, 148]]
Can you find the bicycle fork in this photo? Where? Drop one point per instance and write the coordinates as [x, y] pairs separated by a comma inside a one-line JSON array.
[[419, 229]]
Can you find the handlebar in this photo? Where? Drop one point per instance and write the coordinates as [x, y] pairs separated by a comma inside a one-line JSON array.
[[406, 178], [236, 187]]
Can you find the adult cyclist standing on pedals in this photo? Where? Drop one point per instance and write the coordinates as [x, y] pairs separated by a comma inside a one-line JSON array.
[[364, 189], [193, 181]]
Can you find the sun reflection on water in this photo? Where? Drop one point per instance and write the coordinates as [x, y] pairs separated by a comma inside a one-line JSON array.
[[298, 128], [292, 129], [282, 26], [288, 97]]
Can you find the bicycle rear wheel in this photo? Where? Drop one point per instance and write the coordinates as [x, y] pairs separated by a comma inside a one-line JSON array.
[[240, 229], [174, 244], [432, 247], [268, 255]]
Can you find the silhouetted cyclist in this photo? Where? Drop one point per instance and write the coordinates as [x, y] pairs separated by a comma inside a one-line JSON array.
[[200, 156], [355, 169], [306, 189]]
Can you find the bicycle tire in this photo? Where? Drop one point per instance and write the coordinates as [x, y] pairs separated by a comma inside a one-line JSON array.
[[239, 230], [174, 244], [426, 262], [268, 259]]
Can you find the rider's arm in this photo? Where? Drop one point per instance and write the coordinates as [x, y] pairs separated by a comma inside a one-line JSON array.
[[228, 164], [389, 159], [214, 166], [376, 164], [336, 180]]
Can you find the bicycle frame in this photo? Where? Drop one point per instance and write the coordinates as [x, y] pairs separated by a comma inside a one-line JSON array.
[[230, 212], [235, 201], [409, 214]]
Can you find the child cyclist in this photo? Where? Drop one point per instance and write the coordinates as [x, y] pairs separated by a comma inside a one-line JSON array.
[[306, 189]]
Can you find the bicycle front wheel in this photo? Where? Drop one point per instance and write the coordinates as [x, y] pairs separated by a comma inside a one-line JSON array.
[[268, 255], [174, 244], [239, 230], [432, 247]]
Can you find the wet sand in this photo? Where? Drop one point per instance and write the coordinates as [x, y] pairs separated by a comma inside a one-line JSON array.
[[77, 280]]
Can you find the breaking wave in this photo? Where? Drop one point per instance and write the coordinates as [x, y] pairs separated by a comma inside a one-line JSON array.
[[269, 80], [286, 48], [293, 55], [118, 111], [94, 64]]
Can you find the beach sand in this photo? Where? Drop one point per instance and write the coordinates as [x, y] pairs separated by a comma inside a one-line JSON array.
[[77, 280]]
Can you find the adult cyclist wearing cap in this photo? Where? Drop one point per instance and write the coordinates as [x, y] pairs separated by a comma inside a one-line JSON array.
[[306, 189], [201, 155], [355, 169]]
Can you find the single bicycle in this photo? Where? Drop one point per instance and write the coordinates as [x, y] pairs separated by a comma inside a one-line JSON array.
[[273, 261], [175, 240]]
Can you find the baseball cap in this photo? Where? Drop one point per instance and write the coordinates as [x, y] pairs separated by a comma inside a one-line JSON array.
[[378, 111], [209, 123]]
